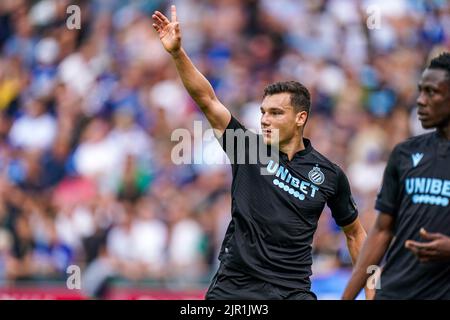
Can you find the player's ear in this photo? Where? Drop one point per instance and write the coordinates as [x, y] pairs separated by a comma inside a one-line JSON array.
[[301, 118]]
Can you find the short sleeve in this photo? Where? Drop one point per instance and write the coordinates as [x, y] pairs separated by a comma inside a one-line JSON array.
[[343, 207], [387, 198], [238, 142]]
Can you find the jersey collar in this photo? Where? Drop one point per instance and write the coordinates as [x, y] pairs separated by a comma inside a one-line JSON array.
[[308, 148]]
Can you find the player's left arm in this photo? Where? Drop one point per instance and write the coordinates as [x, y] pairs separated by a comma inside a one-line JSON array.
[[436, 249], [345, 213], [355, 236]]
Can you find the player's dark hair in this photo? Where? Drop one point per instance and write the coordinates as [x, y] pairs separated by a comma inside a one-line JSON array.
[[300, 97], [441, 62]]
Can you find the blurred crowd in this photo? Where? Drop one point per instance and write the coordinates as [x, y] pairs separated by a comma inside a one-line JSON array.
[[87, 116]]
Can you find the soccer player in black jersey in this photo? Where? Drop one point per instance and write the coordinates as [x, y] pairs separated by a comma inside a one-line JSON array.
[[414, 204], [276, 204]]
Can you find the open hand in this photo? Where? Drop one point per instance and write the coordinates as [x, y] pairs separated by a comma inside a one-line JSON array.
[[438, 249], [169, 31]]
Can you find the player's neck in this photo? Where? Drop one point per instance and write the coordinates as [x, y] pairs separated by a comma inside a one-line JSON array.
[[444, 132], [293, 146]]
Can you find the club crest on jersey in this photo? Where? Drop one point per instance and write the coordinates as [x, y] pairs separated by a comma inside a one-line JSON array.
[[316, 176]]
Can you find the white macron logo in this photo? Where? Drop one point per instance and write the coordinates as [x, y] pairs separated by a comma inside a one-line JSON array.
[[416, 157]]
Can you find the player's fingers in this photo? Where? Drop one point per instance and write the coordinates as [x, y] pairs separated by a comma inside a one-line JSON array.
[[156, 27], [427, 255], [162, 17], [158, 20], [177, 28], [409, 244], [421, 245], [428, 235], [173, 12], [420, 248]]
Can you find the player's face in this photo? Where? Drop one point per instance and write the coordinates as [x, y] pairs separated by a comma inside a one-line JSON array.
[[433, 101], [279, 119]]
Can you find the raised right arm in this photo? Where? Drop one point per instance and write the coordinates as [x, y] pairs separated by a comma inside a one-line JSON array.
[[193, 80]]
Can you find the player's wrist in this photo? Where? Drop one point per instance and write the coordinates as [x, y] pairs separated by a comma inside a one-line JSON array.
[[175, 53]]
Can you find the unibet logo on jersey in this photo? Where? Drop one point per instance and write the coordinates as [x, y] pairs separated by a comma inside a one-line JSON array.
[[428, 190], [294, 186]]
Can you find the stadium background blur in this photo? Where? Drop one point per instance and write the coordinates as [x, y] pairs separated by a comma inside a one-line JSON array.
[[86, 176]]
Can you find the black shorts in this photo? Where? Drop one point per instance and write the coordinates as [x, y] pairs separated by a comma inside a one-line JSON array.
[[231, 284]]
